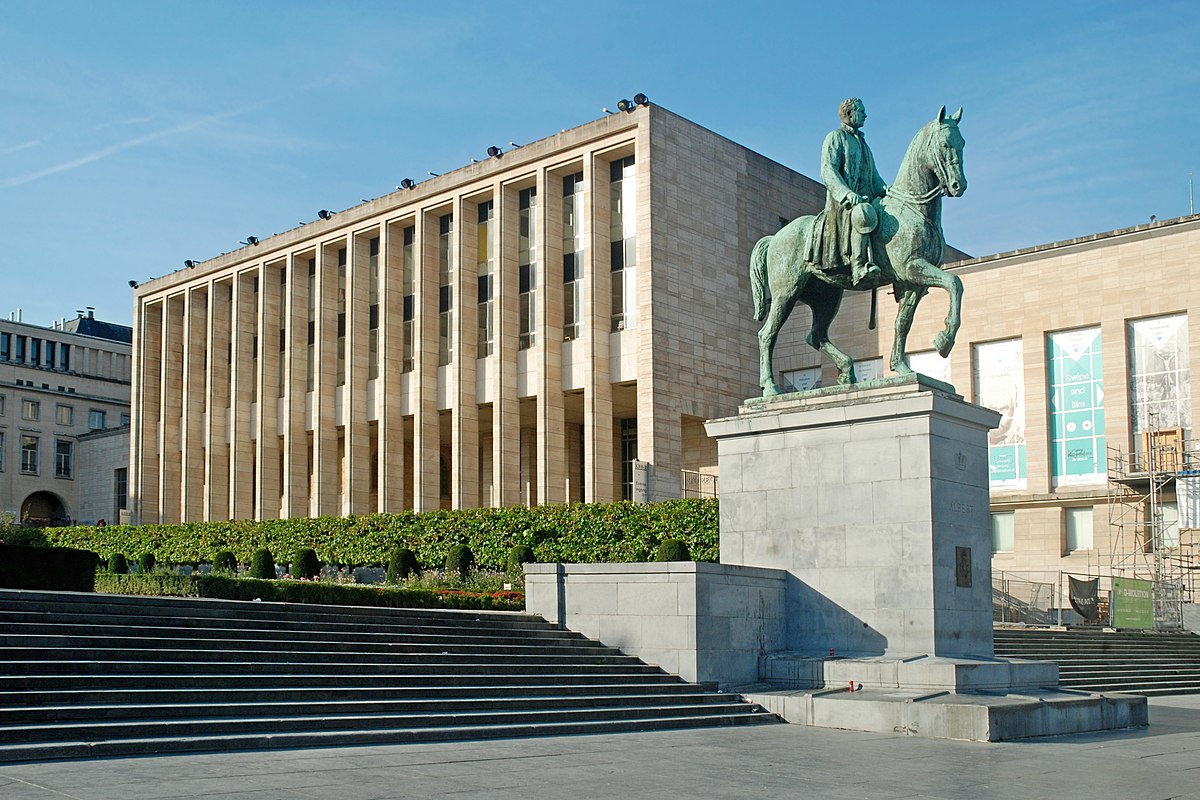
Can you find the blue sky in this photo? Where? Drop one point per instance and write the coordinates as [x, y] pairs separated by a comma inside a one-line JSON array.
[[139, 134]]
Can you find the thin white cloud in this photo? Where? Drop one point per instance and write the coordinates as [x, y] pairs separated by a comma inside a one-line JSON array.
[[112, 149], [22, 146]]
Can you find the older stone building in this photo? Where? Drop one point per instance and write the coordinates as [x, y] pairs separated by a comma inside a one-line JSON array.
[[57, 386], [525, 329]]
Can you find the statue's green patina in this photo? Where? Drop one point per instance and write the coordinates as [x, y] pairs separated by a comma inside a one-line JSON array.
[[906, 244]]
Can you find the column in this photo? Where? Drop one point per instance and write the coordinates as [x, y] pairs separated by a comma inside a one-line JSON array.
[[506, 409], [464, 421], [551, 426], [426, 428], [325, 440], [391, 366], [147, 405], [242, 397], [295, 428], [195, 402], [219, 383], [357, 441], [171, 454], [271, 333], [598, 443]]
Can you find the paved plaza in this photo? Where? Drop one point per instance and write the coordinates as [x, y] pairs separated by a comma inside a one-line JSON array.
[[760, 761]]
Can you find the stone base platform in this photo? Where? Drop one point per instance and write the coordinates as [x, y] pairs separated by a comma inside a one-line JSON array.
[[975, 716], [919, 672]]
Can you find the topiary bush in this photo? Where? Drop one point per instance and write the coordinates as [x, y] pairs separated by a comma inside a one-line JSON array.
[[118, 564], [518, 556], [402, 564], [672, 550], [225, 562], [305, 564], [146, 563], [460, 559], [262, 565]]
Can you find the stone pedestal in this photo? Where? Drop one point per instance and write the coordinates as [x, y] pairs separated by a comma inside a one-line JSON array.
[[876, 502]]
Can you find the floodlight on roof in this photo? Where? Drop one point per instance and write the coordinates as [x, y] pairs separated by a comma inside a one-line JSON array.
[[324, 214], [624, 105], [250, 240], [641, 99], [495, 152], [407, 183]]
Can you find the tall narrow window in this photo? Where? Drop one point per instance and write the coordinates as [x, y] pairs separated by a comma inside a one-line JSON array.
[[96, 420], [341, 317], [5, 345], [3, 447], [573, 256], [373, 310], [1003, 537], [64, 456], [1078, 528], [445, 291], [629, 448], [64, 415], [527, 265], [310, 362], [31, 410], [35, 352], [410, 284], [120, 492], [487, 323], [281, 377], [29, 455], [623, 236], [64, 358], [254, 345], [19, 354], [50, 348]]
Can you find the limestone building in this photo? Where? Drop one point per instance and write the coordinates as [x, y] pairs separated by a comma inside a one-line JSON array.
[[62, 388], [551, 324]]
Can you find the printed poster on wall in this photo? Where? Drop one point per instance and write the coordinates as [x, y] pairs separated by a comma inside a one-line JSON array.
[[1000, 386], [1077, 444], [931, 363], [1159, 375]]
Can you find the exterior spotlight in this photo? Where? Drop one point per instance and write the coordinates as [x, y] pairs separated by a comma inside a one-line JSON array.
[[133, 284], [407, 183], [513, 144], [495, 152], [605, 110], [434, 174], [323, 214], [189, 263], [641, 99], [250, 240], [624, 105]]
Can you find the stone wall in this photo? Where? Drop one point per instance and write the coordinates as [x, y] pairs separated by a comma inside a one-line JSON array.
[[703, 622]]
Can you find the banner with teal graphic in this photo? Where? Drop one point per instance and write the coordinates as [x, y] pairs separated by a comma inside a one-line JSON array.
[[1076, 407]]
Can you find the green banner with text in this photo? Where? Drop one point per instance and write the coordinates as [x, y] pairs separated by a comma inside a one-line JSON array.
[[1133, 603]]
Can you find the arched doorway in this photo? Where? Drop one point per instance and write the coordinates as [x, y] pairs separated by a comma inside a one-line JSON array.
[[44, 509]]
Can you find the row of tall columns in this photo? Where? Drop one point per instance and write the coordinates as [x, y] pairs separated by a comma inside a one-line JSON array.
[[226, 427]]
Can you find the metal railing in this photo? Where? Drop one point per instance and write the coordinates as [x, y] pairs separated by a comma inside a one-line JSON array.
[[1017, 601]]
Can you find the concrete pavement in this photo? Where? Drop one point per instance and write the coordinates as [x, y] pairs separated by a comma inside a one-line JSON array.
[[1160, 762]]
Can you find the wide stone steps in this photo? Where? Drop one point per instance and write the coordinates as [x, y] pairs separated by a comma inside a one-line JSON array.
[[1146, 663], [97, 675]]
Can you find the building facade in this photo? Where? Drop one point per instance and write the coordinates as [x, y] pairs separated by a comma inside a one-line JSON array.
[[538, 327], [1086, 349], [58, 385]]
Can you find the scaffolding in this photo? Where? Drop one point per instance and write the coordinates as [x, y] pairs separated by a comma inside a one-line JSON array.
[[1161, 472]]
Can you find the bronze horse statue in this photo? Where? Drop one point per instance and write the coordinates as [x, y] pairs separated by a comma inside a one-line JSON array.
[[908, 245]]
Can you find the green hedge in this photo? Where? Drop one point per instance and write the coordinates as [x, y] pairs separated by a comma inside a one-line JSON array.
[[577, 533], [53, 568], [224, 587]]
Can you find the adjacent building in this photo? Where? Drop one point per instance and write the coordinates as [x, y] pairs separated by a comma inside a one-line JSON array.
[[63, 389]]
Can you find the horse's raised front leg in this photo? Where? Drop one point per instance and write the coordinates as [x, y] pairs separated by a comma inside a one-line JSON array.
[[922, 273], [780, 308], [904, 319]]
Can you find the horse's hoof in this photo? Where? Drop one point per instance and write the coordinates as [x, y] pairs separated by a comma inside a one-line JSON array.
[[943, 344], [902, 369], [772, 391]]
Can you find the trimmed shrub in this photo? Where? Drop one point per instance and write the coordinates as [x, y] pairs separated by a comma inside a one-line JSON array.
[[402, 564], [460, 559], [520, 555], [305, 564], [52, 568], [146, 563], [118, 564], [225, 562], [262, 565], [672, 550]]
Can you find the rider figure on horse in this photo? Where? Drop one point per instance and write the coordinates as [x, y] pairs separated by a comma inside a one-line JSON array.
[[841, 235]]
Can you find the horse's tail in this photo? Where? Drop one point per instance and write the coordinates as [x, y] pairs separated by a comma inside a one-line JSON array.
[[758, 278]]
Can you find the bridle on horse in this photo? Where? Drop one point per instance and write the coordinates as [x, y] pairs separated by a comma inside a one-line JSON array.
[[939, 169]]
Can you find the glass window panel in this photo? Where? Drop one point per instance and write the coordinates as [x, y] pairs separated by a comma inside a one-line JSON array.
[[1079, 528], [1003, 527]]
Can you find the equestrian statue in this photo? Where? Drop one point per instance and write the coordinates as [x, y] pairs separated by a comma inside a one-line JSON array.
[[869, 235]]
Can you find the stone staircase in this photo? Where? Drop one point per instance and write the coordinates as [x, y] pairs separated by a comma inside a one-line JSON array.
[[1146, 663], [88, 675]]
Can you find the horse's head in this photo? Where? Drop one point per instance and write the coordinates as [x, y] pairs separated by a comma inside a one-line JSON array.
[[944, 152]]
